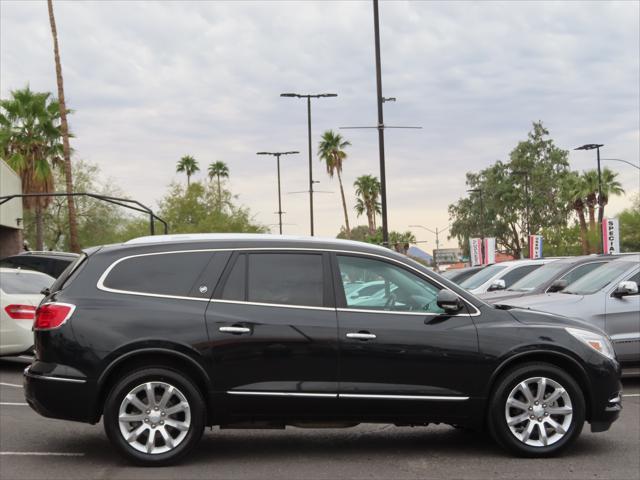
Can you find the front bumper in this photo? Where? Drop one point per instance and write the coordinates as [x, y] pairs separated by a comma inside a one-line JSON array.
[[62, 397], [606, 398]]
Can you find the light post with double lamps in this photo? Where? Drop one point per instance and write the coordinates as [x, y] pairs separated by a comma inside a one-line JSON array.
[[277, 155], [311, 182], [596, 146], [437, 233]]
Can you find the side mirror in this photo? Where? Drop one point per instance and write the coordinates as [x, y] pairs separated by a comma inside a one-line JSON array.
[[626, 288], [558, 285], [497, 285], [448, 301]]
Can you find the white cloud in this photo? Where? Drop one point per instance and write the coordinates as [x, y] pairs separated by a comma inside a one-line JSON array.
[[152, 81]]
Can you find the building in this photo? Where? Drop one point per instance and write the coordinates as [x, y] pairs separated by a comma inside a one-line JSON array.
[[445, 256], [10, 212]]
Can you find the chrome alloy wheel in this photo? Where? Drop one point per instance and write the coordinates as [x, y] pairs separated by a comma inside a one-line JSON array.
[[538, 411], [154, 417]]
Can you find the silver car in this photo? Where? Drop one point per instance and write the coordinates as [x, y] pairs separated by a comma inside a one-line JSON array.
[[606, 297]]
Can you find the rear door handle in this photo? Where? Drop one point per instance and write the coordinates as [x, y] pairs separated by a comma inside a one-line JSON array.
[[235, 329], [361, 335]]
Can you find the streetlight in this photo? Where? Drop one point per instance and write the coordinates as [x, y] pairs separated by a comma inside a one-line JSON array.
[[479, 192], [311, 182], [277, 155], [596, 146], [620, 160], [437, 232], [526, 203]]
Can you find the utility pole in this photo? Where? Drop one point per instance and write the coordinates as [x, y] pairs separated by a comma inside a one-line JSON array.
[[482, 249], [311, 181], [527, 200], [277, 155], [383, 176], [437, 233]]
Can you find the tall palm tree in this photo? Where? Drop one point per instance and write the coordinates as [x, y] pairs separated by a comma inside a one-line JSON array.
[[188, 165], [610, 186], [367, 192], [220, 170], [331, 152], [590, 186], [30, 142], [73, 223], [576, 191]]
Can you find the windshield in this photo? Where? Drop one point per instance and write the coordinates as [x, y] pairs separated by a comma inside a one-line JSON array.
[[482, 276], [22, 282], [538, 277], [598, 279]]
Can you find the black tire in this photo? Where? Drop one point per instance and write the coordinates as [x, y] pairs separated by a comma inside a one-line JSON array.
[[497, 421], [175, 379]]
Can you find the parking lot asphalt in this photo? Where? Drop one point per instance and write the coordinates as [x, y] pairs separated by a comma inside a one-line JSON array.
[[33, 447]]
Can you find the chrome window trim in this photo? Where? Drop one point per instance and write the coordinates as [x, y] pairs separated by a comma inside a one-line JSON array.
[[446, 398], [100, 285]]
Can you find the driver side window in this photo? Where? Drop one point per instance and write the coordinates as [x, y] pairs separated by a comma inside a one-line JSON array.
[[376, 285]]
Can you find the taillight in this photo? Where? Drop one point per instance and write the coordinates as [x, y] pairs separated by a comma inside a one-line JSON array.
[[52, 315], [21, 312]]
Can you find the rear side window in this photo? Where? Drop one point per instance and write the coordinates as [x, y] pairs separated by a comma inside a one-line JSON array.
[[24, 283], [161, 274], [279, 278]]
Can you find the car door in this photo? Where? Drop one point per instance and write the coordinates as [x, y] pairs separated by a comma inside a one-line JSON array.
[[400, 354], [272, 334], [622, 321]]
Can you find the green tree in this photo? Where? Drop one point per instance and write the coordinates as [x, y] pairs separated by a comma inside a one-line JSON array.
[[64, 126], [30, 142], [188, 165], [505, 198], [400, 241], [331, 152], [576, 191], [629, 220], [367, 194], [219, 170]]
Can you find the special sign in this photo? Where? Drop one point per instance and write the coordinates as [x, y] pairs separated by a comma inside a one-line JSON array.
[[611, 235]]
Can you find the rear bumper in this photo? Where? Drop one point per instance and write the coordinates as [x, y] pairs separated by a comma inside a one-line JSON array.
[[62, 397]]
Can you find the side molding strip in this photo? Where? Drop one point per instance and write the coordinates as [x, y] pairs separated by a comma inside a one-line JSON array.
[[349, 395]]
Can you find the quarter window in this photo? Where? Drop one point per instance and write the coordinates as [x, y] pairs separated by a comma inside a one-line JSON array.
[[163, 274], [383, 286]]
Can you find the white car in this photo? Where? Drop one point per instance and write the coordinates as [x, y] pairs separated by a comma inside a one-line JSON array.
[[19, 298], [501, 276]]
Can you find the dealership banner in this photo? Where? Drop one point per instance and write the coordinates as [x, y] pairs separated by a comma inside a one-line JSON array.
[[489, 251], [475, 251], [535, 246], [611, 235]]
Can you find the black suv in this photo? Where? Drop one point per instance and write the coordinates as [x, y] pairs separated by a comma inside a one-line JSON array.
[[163, 336]]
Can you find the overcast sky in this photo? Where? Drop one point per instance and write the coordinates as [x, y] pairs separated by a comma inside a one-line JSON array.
[[153, 81]]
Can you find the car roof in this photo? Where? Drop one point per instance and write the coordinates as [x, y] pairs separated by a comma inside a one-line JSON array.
[[50, 254], [23, 271]]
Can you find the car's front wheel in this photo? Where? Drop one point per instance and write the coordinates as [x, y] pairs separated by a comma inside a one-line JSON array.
[[154, 416], [536, 410]]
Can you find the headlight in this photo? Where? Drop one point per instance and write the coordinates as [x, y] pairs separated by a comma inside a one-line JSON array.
[[599, 343]]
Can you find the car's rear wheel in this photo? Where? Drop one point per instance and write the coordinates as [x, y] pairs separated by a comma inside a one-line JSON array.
[[154, 416], [536, 410]]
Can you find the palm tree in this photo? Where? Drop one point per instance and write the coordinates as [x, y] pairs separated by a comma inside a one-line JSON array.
[[331, 152], [220, 170], [590, 185], [30, 141], [576, 191], [73, 224], [368, 191], [610, 186], [188, 165]]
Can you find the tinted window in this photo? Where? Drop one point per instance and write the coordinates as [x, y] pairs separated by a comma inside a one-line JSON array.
[[392, 288], [517, 273], [482, 276], [24, 282], [286, 278], [581, 271], [165, 274], [598, 279], [234, 288]]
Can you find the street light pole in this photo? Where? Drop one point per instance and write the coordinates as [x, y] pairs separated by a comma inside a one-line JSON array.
[[311, 181], [596, 146], [526, 203], [479, 192], [437, 234], [277, 155]]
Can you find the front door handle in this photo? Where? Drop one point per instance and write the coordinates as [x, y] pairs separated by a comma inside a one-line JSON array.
[[235, 329], [361, 335]]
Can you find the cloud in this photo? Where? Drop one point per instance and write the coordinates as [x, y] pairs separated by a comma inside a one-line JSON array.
[[152, 81]]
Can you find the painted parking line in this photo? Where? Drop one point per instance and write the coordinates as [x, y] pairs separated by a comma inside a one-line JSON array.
[[10, 385], [631, 395], [15, 404], [43, 454]]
